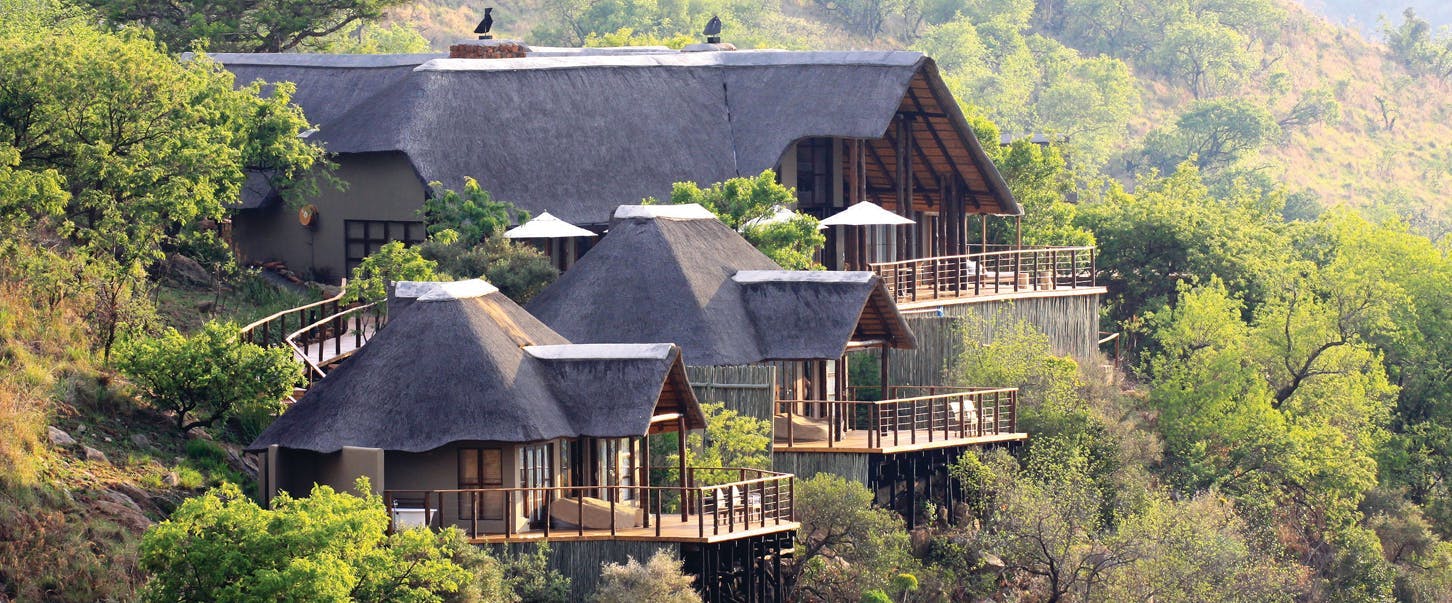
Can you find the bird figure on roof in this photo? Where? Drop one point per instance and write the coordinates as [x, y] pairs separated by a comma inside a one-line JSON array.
[[485, 25], [713, 30]]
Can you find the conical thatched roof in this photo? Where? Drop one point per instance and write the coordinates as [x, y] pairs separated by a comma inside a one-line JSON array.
[[658, 277], [464, 363]]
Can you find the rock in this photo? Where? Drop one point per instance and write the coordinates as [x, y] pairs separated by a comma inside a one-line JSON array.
[[137, 495], [123, 514], [171, 479], [140, 440], [96, 455], [198, 433], [107, 438], [238, 462], [81, 428], [58, 437], [187, 270], [121, 499], [991, 562]]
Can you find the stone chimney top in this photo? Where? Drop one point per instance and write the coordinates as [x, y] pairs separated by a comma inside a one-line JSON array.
[[488, 49]]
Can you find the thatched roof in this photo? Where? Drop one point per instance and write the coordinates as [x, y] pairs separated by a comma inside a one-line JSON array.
[[578, 134], [696, 282], [464, 363]]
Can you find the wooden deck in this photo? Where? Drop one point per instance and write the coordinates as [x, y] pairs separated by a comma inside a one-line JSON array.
[[855, 442], [672, 529], [927, 302]]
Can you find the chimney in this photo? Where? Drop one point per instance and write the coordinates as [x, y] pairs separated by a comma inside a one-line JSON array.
[[486, 47]]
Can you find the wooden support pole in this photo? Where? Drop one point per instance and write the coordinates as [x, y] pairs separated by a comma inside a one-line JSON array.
[[681, 450]]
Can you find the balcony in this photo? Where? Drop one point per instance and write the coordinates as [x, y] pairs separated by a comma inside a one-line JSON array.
[[1002, 270], [942, 417], [715, 504]]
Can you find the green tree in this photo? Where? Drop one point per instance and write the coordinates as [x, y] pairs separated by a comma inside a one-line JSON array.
[[473, 215], [247, 26], [1172, 231], [371, 38], [1214, 134], [846, 546], [1204, 54], [747, 206], [206, 377], [466, 240], [328, 546], [519, 270], [658, 579], [394, 261]]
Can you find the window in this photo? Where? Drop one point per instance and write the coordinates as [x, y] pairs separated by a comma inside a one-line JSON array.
[[814, 172], [536, 470], [481, 468], [363, 237], [618, 467]]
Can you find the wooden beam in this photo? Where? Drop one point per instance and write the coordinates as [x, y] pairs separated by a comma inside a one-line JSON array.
[[913, 95]]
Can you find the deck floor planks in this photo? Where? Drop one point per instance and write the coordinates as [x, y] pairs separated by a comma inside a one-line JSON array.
[[672, 529], [855, 441]]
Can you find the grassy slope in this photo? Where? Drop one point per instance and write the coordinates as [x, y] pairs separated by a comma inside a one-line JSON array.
[[66, 533]]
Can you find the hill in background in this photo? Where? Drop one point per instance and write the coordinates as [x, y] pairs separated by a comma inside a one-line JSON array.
[[1374, 136]]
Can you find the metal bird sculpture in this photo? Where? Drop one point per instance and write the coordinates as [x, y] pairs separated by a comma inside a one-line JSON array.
[[713, 30], [488, 22]]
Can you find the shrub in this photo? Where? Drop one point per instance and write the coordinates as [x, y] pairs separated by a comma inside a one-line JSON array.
[[392, 262], [206, 377], [660, 579], [329, 546]]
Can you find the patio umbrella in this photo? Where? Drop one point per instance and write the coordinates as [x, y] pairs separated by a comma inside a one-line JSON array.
[[862, 215], [548, 228]]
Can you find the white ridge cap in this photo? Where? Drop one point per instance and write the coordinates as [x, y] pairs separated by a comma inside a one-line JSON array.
[[430, 291], [687, 211], [600, 351], [745, 277]]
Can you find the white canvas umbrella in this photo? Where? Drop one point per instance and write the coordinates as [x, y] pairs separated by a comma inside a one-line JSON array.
[[545, 226], [861, 215], [865, 213], [779, 214]]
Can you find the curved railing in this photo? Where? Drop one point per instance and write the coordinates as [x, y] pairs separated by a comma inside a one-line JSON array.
[[271, 330], [1015, 270], [356, 320]]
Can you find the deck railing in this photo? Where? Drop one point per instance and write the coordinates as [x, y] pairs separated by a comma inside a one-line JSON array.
[[358, 321], [969, 413], [272, 330], [993, 272], [702, 506]]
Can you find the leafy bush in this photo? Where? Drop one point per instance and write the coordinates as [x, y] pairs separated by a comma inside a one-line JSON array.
[[394, 261], [746, 204], [658, 579], [474, 214], [206, 377], [328, 546], [846, 547], [518, 270], [529, 576]]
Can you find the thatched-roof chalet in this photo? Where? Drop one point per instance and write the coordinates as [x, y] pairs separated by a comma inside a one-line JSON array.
[[662, 275], [579, 133], [463, 363]]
